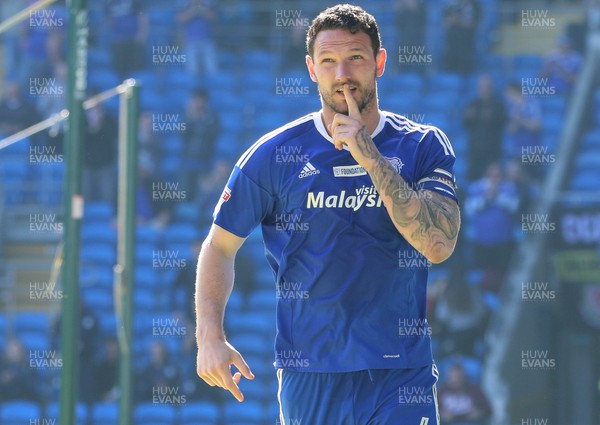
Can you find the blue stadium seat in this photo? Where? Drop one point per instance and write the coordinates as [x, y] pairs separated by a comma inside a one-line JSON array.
[[409, 82], [151, 100], [248, 413], [96, 276], [186, 213], [146, 234], [146, 413], [147, 277], [591, 139], [471, 365], [103, 78], [145, 253], [19, 412], [148, 79], [3, 324], [98, 211], [257, 390], [262, 300], [108, 325], [15, 170], [173, 143], [199, 412], [252, 322], [98, 232], [445, 82], [264, 275], [440, 102], [588, 159], [104, 413], [252, 341], [101, 254], [553, 122], [164, 16], [180, 233], [528, 63], [556, 105], [99, 57], [53, 413], [99, 298], [145, 299], [35, 340], [31, 321]]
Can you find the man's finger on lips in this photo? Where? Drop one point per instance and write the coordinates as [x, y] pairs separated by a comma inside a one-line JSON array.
[[353, 111]]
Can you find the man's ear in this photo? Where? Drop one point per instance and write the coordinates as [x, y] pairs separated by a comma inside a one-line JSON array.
[[380, 62], [311, 68]]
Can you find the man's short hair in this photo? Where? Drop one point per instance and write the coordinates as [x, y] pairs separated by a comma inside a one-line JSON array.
[[344, 16]]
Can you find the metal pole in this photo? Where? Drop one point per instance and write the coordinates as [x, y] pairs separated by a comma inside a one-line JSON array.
[[73, 210], [125, 270]]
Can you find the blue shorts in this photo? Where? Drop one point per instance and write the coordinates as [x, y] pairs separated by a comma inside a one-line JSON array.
[[366, 397]]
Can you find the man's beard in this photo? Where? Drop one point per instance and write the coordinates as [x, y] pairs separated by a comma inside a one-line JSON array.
[[364, 101]]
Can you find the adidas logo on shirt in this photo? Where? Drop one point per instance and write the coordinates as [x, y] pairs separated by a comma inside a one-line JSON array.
[[308, 170]]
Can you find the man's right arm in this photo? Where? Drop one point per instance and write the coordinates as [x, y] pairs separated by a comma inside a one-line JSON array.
[[214, 282]]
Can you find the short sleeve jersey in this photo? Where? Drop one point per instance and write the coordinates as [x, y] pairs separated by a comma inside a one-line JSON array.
[[351, 291]]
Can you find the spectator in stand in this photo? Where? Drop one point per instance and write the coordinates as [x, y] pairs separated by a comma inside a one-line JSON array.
[[16, 113], [462, 402], [18, 380], [524, 121], [128, 26], [460, 314], [10, 38], [461, 19], [485, 120], [107, 371], [160, 372], [99, 156], [197, 18], [89, 331], [182, 293], [150, 149], [411, 20], [491, 207], [211, 189], [202, 129], [561, 66], [527, 187], [33, 38], [593, 15]]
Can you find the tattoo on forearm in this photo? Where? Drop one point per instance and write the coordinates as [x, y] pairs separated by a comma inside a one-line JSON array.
[[428, 220]]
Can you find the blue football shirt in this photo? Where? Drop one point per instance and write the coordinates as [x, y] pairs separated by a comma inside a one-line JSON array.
[[351, 290]]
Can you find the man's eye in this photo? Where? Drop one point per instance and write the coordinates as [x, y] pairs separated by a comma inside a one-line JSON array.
[[327, 60], [354, 57]]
